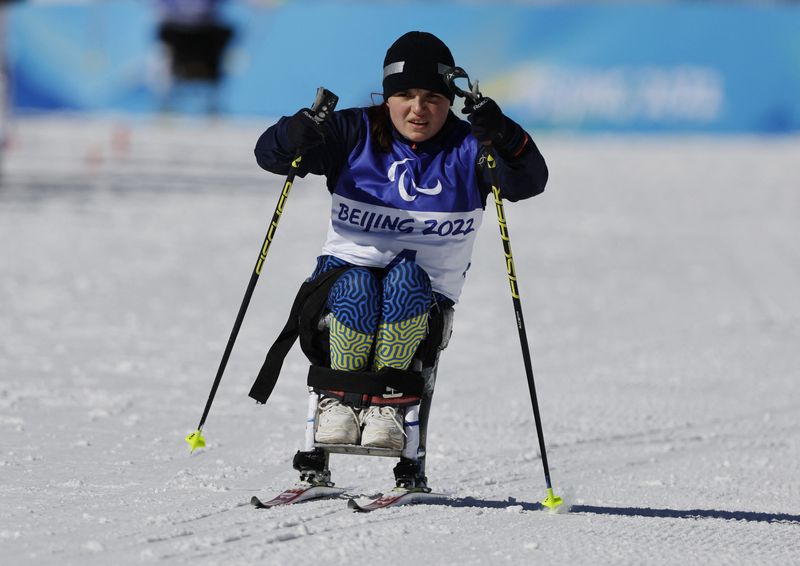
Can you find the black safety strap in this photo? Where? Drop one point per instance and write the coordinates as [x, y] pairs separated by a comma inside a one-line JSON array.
[[382, 382], [307, 308]]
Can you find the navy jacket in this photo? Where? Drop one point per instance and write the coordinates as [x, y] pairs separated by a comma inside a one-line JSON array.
[[522, 172]]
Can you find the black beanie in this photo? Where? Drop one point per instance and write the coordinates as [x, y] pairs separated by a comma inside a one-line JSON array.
[[416, 60]]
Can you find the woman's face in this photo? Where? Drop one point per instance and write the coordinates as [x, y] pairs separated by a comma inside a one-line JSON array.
[[418, 114]]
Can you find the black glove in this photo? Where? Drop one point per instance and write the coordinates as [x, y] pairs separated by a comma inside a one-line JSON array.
[[489, 125], [303, 132]]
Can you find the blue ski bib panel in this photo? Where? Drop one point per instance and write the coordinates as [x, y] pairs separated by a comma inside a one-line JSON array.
[[387, 207]]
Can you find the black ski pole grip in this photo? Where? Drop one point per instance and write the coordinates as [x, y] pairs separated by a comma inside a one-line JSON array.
[[471, 93], [324, 104]]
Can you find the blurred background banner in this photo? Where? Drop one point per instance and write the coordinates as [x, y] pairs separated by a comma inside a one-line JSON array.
[[650, 67]]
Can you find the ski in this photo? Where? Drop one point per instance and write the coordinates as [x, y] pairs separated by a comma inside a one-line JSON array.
[[398, 496], [297, 494]]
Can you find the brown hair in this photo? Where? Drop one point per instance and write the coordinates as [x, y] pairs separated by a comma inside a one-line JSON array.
[[380, 127]]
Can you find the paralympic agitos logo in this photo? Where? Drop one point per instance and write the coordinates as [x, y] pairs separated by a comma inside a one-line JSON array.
[[408, 189]]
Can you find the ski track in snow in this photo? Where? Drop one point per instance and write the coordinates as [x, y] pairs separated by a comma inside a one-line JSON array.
[[659, 279]]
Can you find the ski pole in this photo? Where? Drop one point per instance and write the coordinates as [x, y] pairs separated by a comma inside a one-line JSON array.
[[324, 104], [551, 501]]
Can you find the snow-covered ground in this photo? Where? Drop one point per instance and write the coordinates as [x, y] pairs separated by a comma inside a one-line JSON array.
[[660, 280]]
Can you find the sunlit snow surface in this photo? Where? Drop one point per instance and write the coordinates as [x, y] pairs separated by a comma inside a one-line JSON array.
[[660, 281]]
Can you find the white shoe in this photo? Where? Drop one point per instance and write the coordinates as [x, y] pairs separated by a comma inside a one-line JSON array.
[[383, 428], [337, 423]]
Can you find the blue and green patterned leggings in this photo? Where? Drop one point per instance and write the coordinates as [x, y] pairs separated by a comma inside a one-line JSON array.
[[389, 313]]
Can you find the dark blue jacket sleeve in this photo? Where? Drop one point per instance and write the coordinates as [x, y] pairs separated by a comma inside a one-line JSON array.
[[521, 169], [342, 129]]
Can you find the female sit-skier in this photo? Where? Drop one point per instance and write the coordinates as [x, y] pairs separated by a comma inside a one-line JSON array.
[[409, 188]]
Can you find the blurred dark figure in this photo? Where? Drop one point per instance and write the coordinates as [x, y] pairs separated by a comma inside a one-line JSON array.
[[196, 40]]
